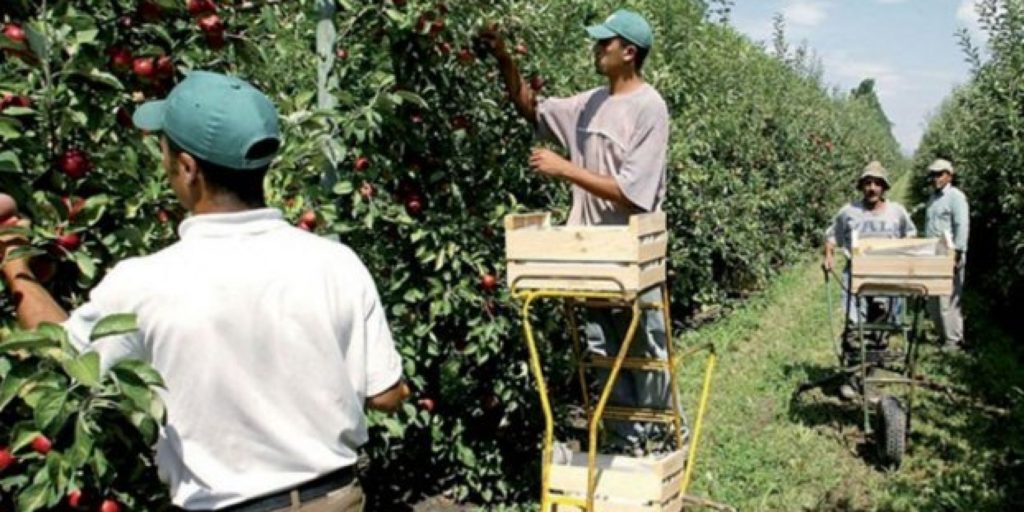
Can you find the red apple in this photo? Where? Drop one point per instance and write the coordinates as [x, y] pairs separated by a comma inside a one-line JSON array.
[[162, 217], [6, 458], [11, 100], [69, 241], [309, 218], [74, 163], [110, 505], [488, 282], [41, 444], [444, 47], [120, 59], [466, 56], [150, 11], [416, 119], [426, 403], [197, 7], [537, 83], [460, 122], [124, 118], [436, 27], [362, 164], [15, 33], [366, 190], [413, 204], [8, 207], [215, 40], [341, 53], [75, 498], [164, 66], [211, 24], [143, 67]]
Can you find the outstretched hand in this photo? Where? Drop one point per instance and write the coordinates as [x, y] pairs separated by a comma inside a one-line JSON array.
[[490, 40]]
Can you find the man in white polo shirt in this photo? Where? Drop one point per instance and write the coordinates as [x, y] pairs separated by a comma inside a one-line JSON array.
[[271, 340]]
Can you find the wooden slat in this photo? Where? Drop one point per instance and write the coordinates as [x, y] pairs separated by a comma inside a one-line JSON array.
[[555, 276], [625, 484], [647, 223], [868, 244], [614, 244], [626, 479], [934, 286], [905, 266], [519, 221], [653, 248], [652, 275]]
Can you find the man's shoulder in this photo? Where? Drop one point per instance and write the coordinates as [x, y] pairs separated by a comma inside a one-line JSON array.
[[956, 192], [651, 101], [898, 207]]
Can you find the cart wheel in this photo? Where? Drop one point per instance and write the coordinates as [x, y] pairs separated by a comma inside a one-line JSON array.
[[892, 433]]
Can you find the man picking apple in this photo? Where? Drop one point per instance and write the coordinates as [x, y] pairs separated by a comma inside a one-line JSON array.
[[271, 340], [617, 139]]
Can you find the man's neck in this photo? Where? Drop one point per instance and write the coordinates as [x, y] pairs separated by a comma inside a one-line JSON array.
[[875, 206], [219, 204], [625, 83]]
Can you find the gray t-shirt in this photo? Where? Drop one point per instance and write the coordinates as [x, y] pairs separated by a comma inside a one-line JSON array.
[[892, 221], [624, 136]]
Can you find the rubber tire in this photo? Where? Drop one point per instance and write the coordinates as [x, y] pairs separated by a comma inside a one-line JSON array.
[[891, 431]]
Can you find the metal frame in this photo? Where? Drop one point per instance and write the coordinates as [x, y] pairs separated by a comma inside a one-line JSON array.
[[627, 300]]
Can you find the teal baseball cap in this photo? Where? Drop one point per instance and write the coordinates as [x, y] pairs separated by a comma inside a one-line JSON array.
[[626, 24], [215, 117]]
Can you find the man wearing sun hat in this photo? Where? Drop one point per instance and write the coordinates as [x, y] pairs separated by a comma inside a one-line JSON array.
[[616, 137], [948, 212], [873, 216], [271, 340]]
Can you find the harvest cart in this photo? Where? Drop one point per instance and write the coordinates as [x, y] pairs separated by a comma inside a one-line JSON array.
[[604, 266], [909, 269]]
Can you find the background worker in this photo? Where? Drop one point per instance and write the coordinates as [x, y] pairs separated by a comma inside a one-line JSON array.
[[948, 212]]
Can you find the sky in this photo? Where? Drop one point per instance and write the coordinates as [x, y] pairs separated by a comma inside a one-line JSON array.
[[909, 47]]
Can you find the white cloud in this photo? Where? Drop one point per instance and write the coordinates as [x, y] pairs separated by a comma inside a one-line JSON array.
[[806, 13], [890, 1]]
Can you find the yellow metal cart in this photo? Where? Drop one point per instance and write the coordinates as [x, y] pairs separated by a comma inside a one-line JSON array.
[[592, 267]]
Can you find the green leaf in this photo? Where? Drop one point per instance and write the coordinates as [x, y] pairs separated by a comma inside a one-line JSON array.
[[85, 264], [142, 370], [121, 323], [102, 77], [343, 188], [36, 496], [134, 388], [27, 340], [85, 369], [9, 162], [49, 408], [12, 384], [80, 451]]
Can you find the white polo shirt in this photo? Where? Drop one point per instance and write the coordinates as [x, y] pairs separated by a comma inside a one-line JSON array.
[[269, 338]]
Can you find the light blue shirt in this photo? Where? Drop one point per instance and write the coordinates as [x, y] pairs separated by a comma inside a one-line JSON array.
[[948, 212]]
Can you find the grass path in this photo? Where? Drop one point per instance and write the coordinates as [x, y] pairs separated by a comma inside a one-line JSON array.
[[763, 451]]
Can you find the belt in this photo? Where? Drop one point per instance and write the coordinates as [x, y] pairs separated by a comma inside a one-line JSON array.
[[311, 490]]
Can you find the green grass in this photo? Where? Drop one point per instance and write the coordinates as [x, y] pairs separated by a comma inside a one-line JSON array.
[[761, 450]]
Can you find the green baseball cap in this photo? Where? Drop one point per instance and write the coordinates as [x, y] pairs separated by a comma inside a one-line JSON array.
[[215, 117], [626, 24]]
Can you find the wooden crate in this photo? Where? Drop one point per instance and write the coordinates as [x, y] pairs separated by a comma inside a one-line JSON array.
[[627, 258], [904, 266], [624, 484]]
